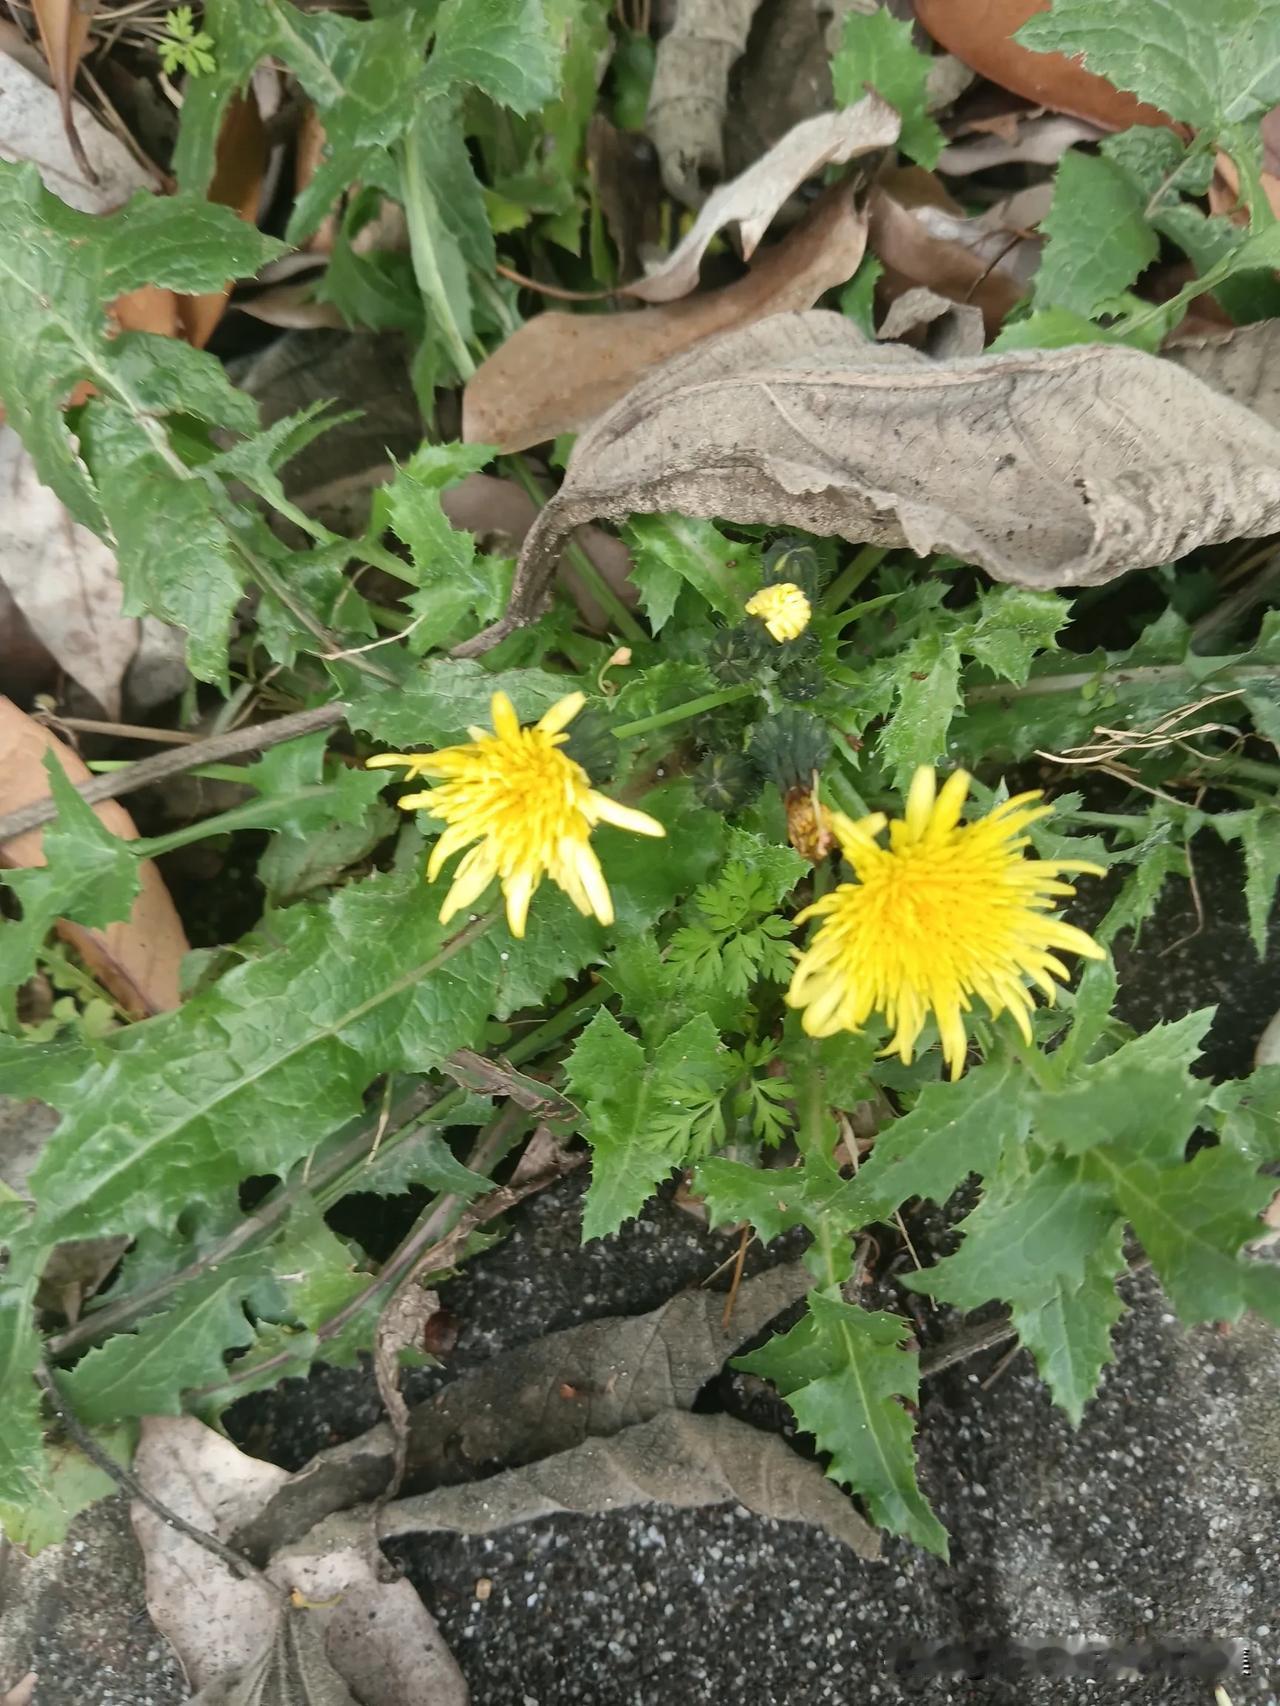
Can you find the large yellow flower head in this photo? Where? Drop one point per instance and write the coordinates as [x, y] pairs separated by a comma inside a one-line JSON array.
[[945, 912], [527, 806]]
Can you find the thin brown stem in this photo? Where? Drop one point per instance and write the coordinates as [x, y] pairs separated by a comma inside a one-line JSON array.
[[558, 291], [129, 1483], [148, 771]]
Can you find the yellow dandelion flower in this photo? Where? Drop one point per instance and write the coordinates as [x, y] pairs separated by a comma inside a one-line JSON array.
[[783, 608], [945, 912], [527, 806]]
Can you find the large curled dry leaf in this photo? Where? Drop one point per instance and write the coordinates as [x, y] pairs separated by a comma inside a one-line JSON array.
[[541, 1398], [64, 33], [137, 960], [981, 32], [330, 1634], [558, 372], [753, 198], [1047, 468], [1242, 363], [676, 1459], [690, 88]]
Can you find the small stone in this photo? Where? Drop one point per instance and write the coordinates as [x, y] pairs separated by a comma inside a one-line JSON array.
[[483, 1587]]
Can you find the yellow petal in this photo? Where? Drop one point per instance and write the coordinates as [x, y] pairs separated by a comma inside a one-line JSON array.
[[385, 760], [920, 798], [605, 810], [950, 803], [506, 725], [562, 713], [519, 892], [471, 879], [592, 878]]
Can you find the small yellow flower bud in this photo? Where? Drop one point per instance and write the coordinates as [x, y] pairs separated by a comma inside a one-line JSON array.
[[783, 608]]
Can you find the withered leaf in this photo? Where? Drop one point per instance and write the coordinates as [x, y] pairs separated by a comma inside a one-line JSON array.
[[950, 328], [559, 371], [754, 197], [689, 92], [1242, 363], [1048, 468], [675, 1459]]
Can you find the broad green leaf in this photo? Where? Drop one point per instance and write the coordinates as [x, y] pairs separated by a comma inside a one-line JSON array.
[[1099, 240], [953, 1130], [725, 572], [644, 1112], [775, 1199], [1192, 1220], [65, 1483], [187, 1104], [243, 32], [1247, 1114], [1068, 1330], [1143, 1097], [1161, 857], [857, 299], [1208, 65], [843, 1372], [1159, 162], [313, 1273], [437, 701], [876, 51], [145, 1373], [1091, 1003], [927, 689], [90, 877], [21, 1435], [1016, 624], [501, 47]]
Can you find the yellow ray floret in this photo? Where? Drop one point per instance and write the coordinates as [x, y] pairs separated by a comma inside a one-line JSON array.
[[528, 808], [945, 912], [783, 608]]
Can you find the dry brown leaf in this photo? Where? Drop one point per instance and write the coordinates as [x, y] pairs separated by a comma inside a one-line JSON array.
[[31, 128], [1267, 1053], [63, 578], [342, 1622], [1036, 141], [137, 960], [1242, 362], [980, 32], [293, 307], [956, 257], [237, 183], [559, 371], [64, 31], [689, 93], [1047, 468], [950, 329], [628, 185], [752, 199], [676, 1459]]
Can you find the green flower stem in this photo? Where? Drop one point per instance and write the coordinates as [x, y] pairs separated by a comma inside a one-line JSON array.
[[681, 713], [589, 574], [851, 578], [426, 264]]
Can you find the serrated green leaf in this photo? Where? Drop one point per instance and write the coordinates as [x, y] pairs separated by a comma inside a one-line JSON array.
[[65, 1484], [501, 47], [1091, 1002], [1056, 328], [455, 581], [1068, 1331], [843, 1372], [1192, 1220], [643, 1112], [725, 572], [1015, 625], [21, 1434], [437, 701], [1248, 1114], [145, 1373], [926, 679], [1142, 1097], [953, 1130], [876, 51], [1159, 162], [1099, 240], [186, 1104], [90, 877], [775, 1199], [857, 299], [1258, 833], [1209, 66]]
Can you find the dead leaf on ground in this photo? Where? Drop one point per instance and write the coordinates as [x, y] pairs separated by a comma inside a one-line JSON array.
[[241, 163], [751, 200], [689, 93], [949, 329], [334, 1633], [400, 1328], [559, 371], [926, 244], [980, 32], [624, 172], [1039, 140], [512, 1409], [1241, 362], [1047, 468], [676, 1459], [64, 32], [137, 960], [31, 129]]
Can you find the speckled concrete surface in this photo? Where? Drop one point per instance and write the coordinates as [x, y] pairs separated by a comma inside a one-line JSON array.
[[1160, 1516]]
